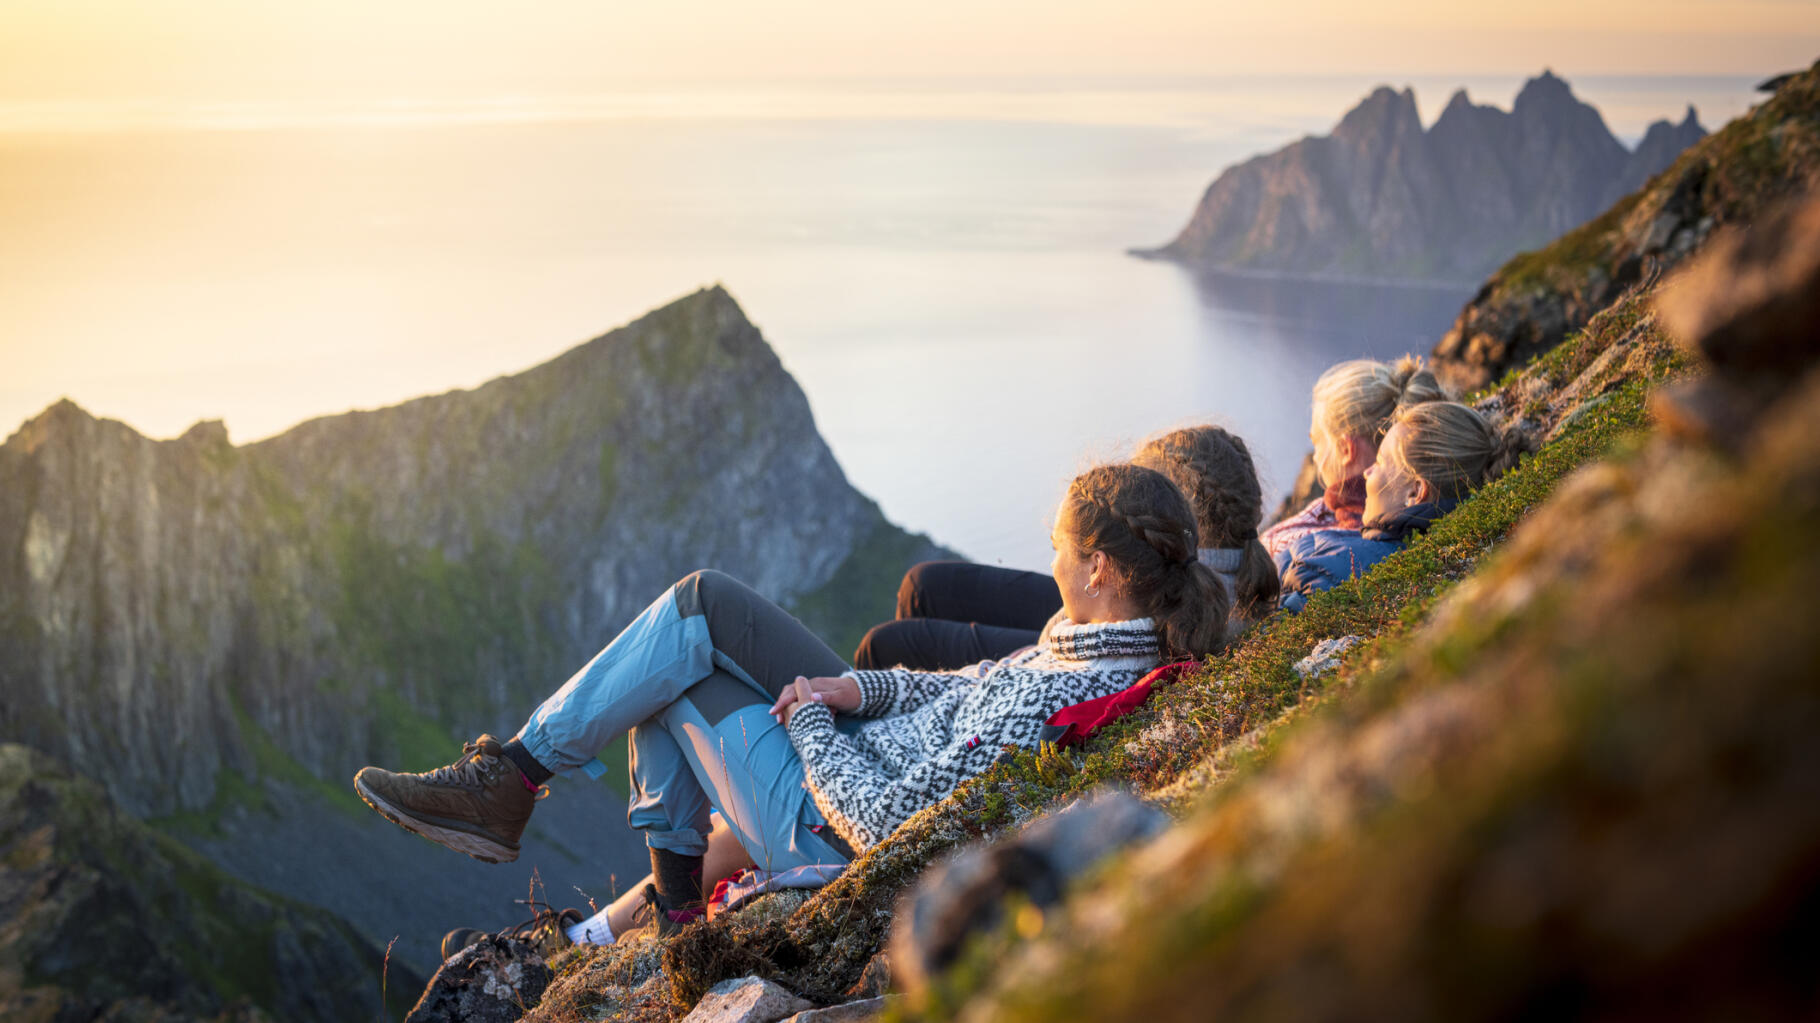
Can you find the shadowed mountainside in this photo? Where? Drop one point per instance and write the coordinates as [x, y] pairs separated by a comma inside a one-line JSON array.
[[105, 918]]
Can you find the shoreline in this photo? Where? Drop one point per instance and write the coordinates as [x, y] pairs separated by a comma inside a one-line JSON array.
[[1323, 277]]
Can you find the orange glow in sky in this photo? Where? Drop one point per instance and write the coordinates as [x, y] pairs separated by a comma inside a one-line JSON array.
[[258, 50]]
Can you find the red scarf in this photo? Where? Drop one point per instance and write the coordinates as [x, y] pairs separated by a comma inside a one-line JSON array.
[[1346, 499]]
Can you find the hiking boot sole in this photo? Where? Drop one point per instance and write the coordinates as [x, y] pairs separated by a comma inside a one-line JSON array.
[[482, 848]]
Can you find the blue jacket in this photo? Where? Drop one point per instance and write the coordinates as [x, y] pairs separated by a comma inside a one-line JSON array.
[[1324, 559]]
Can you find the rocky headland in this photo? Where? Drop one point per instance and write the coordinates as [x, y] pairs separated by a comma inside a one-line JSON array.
[[1383, 198]]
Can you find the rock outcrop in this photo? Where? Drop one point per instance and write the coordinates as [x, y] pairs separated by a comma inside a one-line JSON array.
[[1382, 198], [1537, 299], [105, 918]]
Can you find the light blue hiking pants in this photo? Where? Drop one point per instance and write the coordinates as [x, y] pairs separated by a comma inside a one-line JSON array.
[[693, 679]]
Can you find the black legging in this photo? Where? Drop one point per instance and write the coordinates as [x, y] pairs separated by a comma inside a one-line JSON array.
[[954, 613]]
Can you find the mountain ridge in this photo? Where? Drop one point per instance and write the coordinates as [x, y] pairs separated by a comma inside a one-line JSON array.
[[1382, 197], [232, 631]]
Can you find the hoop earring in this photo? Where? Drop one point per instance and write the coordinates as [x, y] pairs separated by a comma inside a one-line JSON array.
[[1093, 591]]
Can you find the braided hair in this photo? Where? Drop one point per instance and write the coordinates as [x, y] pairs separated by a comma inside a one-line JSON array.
[[1214, 470], [1146, 529]]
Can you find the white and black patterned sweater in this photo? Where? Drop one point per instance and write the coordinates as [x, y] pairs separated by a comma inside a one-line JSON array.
[[937, 729]]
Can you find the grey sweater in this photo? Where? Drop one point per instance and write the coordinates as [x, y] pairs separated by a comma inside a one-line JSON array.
[[937, 729]]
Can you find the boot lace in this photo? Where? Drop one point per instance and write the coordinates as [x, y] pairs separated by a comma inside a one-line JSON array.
[[546, 917], [465, 772]]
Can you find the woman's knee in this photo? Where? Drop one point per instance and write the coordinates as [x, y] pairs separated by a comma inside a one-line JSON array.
[[704, 588], [923, 578], [873, 650]]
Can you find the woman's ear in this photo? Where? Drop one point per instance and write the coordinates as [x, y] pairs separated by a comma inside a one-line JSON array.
[[1422, 493], [1096, 569]]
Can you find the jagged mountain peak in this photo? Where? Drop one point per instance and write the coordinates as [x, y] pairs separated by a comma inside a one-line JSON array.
[[1692, 120], [1382, 197], [1458, 101], [211, 433], [1384, 115], [1546, 88]]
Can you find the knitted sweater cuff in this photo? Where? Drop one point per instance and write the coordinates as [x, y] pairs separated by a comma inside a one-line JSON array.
[[811, 721], [877, 690]]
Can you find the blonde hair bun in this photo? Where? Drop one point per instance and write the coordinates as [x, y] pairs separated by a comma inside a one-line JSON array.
[[1358, 398]]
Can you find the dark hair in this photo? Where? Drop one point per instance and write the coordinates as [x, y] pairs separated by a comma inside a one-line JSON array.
[[1214, 470], [1144, 525]]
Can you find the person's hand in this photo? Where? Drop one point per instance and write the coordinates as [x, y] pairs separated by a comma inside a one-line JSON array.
[[839, 694]]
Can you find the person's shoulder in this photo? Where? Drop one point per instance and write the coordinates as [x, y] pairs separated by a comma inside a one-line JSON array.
[[1317, 542]]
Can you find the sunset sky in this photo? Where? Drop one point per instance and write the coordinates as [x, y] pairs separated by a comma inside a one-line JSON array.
[[266, 50]]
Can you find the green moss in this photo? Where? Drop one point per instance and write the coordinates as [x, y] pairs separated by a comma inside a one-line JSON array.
[[1574, 253]]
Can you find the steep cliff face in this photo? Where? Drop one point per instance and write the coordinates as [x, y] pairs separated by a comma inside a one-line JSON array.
[[1538, 298], [107, 919], [221, 636], [172, 605], [1381, 197]]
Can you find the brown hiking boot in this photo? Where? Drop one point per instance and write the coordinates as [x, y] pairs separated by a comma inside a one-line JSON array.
[[477, 805]]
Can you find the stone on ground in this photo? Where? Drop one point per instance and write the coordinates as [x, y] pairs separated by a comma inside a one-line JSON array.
[[746, 1000]]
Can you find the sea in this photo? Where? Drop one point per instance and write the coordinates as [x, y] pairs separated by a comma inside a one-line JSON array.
[[939, 263]]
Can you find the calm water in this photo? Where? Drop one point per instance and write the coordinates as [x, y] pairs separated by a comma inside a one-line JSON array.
[[939, 265]]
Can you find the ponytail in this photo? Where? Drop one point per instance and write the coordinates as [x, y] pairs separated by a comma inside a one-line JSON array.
[[1451, 447], [1214, 470], [1256, 584], [1358, 398], [1146, 529]]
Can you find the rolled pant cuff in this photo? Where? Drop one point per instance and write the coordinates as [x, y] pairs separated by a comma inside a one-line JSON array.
[[683, 841], [536, 743]]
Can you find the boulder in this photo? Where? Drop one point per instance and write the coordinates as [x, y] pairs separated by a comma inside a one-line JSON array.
[[1325, 656], [1747, 306], [850, 1012], [746, 1000], [965, 895]]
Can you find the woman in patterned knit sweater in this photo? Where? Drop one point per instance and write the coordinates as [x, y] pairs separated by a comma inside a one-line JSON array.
[[730, 704]]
